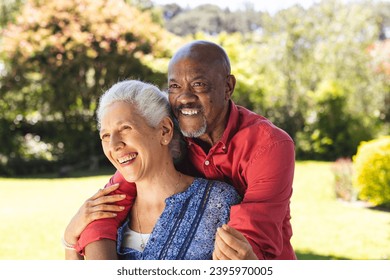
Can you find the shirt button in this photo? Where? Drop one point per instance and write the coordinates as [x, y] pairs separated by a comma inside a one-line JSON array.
[[206, 162]]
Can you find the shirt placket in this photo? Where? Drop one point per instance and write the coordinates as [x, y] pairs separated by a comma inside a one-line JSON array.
[[209, 167]]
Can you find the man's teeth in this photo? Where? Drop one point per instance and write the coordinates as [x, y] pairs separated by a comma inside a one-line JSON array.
[[189, 112], [127, 158]]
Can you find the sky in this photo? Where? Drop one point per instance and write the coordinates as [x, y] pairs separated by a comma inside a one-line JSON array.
[[270, 6]]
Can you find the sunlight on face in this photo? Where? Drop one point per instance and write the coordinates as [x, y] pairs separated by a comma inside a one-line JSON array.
[[128, 141]]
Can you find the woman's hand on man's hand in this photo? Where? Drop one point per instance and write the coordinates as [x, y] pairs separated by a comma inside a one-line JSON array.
[[96, 207], [230, 244]]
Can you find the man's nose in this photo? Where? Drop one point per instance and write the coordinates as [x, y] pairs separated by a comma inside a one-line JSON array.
[[187, 96]]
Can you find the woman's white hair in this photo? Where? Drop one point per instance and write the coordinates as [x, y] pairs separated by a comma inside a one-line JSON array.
[[150, 102]]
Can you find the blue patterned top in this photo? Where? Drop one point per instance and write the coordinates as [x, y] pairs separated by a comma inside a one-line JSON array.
[[186, 228]]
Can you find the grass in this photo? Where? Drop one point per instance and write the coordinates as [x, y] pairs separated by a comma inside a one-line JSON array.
[[34, 213], [325, 228]]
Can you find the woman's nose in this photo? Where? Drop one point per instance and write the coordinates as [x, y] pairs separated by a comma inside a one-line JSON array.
[[116, 142]]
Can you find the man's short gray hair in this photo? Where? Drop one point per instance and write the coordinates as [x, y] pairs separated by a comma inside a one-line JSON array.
[[150, 102]]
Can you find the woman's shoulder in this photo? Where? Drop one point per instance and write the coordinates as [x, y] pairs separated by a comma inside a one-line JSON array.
[[220, 190]]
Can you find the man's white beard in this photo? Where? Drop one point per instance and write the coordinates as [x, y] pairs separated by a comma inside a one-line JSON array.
[[196, 133]]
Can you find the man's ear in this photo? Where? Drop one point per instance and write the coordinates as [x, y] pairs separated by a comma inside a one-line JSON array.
[[230, 85], [166, 126]]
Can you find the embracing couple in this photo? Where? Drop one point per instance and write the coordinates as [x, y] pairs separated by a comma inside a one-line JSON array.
[[198, 177]]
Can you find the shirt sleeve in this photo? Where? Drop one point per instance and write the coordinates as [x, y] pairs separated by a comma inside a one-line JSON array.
[[107, 228], [264, 214]]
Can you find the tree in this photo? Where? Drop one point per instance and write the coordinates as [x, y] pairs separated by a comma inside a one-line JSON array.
[[312, 73], [8, 10], [382, 12], [210, 19], [334, 132], [325, 44], [66, 53], [380, 53]]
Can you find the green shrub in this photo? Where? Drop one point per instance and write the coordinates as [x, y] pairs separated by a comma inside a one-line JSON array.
[[372, 171]]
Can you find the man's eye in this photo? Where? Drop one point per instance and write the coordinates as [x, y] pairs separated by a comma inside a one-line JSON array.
[[172, 88], [199, 84]]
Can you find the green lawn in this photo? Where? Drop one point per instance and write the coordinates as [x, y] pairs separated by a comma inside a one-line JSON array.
[[34, 213], [325, 228]]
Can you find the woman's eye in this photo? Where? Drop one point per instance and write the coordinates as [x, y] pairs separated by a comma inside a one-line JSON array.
[[105, 137], [125, 127]]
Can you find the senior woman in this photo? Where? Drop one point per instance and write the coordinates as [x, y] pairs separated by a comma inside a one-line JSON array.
[[174, 216]]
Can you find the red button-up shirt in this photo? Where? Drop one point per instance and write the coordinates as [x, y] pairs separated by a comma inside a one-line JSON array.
[[254, 156]]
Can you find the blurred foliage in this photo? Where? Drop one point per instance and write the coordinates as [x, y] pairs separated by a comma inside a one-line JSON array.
[[210, 19], [342, 170], [325, 81], [372, 171], [59, 57], [334, 130], [322, 73], [8, 10], [311, 72]]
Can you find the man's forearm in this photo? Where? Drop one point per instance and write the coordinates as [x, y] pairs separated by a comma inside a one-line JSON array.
[[104, 249]]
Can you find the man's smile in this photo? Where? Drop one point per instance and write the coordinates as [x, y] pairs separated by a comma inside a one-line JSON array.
[[189, 111]]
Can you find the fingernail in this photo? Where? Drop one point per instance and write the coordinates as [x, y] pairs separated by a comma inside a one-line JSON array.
[[121, 207], [123, 195], [113, 214]]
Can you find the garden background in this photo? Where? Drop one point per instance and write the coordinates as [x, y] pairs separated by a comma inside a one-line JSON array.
[[321, 73]]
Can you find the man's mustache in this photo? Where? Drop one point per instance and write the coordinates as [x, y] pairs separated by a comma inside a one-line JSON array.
[[189, 106]]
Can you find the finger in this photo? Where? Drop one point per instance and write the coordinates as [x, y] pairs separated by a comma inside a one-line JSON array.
[[225, 250], [233, 237], [216, 249], [100, 215], [105, 191], [234, 232], [227, 236], [107, 199], [241, 249], [95, 216], [102, 204], [219, 254], [106, 208], [215, 257], [80, 221]]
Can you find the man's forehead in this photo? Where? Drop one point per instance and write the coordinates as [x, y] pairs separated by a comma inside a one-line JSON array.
[[202, 55], [194, 64], [196, 51], [184, 68]]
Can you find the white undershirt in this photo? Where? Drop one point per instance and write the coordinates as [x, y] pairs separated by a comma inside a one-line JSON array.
[[132, 239]]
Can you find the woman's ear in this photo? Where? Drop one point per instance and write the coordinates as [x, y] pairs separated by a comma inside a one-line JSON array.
[[166, 126]]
